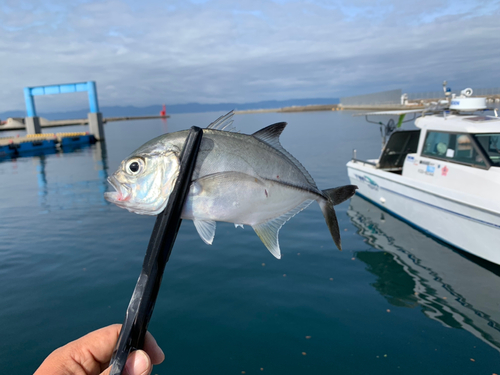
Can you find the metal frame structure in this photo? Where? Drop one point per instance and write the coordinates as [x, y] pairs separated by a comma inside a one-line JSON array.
[[90, 87]]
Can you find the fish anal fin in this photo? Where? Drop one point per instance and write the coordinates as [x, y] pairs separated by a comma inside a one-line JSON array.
[[206, 230], [268, 231], [268, 234]]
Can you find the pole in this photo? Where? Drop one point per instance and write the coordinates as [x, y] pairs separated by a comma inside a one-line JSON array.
[[159, 249]]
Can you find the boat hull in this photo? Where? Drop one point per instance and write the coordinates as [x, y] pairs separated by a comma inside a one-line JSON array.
[[460, 224]]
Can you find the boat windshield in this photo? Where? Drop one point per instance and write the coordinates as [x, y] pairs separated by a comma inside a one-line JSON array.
[[491, 146]]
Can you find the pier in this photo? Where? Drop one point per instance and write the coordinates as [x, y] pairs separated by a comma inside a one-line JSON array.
[[32, 121], [15, 146], [34, 124]]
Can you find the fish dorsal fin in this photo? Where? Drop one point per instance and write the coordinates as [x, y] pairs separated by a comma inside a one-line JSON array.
[[268, 231], [206, 230], [223, 122], [271, 135]]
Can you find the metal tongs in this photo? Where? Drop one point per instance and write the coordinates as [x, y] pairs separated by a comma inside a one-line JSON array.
[[160, 246]]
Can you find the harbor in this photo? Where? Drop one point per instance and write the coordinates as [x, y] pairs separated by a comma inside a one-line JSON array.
[[250, 188], [372, 304], [390, 247]]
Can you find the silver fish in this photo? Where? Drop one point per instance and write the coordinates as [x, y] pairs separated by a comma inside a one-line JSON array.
[[238, 178]]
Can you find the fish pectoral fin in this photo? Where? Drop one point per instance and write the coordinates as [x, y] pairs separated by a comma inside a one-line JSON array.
[[239, 225], [268, 230], [206, 230]]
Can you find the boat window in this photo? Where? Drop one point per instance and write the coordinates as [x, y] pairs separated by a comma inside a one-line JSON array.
[[491, 146], [458, 148]]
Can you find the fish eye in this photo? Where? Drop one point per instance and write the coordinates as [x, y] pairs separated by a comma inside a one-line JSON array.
[[135, 166]]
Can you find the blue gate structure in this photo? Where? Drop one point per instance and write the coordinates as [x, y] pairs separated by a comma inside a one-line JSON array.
[[95, 117]]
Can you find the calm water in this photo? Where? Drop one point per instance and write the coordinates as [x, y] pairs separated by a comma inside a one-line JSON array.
[[394, 301]]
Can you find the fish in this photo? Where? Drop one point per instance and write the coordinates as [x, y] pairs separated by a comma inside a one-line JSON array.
[[244, 179]]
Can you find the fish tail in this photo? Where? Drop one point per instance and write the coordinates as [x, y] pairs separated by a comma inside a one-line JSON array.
[[340, 194], [334, 197]]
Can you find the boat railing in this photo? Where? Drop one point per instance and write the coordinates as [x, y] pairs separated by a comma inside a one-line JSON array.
[[364, 162], [356, 160]]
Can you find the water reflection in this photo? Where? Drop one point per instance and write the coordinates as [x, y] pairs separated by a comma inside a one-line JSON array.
[[100, 158], [63, 190], [41, 162], [415, 270]]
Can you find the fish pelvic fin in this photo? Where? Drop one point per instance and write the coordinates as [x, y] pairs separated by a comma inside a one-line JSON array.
[[206, 230], [268, 231], [335, 196]]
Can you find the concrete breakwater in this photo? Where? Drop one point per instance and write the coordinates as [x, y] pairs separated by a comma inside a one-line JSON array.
[[305, 108], [18, 123], [333, 107]]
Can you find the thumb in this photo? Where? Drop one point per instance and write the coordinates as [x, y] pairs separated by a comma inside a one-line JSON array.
[[138, 363]]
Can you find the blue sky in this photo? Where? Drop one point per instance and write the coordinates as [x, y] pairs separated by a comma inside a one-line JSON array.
[[212, 51]]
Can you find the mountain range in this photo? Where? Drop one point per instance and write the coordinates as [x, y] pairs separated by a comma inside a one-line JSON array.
[[119, 111]]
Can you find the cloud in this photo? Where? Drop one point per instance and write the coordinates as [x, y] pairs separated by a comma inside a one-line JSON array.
[[217, 51]]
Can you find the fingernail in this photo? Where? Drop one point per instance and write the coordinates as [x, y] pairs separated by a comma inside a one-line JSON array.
[[137, 364]]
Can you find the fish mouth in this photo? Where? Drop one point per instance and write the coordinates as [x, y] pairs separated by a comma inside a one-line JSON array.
[[121, 193]]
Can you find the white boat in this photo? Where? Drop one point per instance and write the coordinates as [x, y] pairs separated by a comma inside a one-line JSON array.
[[443, 177]]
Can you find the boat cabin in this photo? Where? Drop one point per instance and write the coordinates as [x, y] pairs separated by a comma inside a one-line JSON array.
[[467, 140]]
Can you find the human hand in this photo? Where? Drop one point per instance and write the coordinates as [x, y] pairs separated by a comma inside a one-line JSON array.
[[90, 355]]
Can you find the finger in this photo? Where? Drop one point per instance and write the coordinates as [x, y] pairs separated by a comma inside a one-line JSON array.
[[154, 351], [101, 343], [96, 346], [138, 363], [89, 354]]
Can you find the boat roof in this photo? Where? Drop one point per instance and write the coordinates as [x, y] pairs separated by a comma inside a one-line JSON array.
[[460, 123]]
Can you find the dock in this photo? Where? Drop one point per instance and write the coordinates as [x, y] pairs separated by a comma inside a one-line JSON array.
[[16, 146]]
